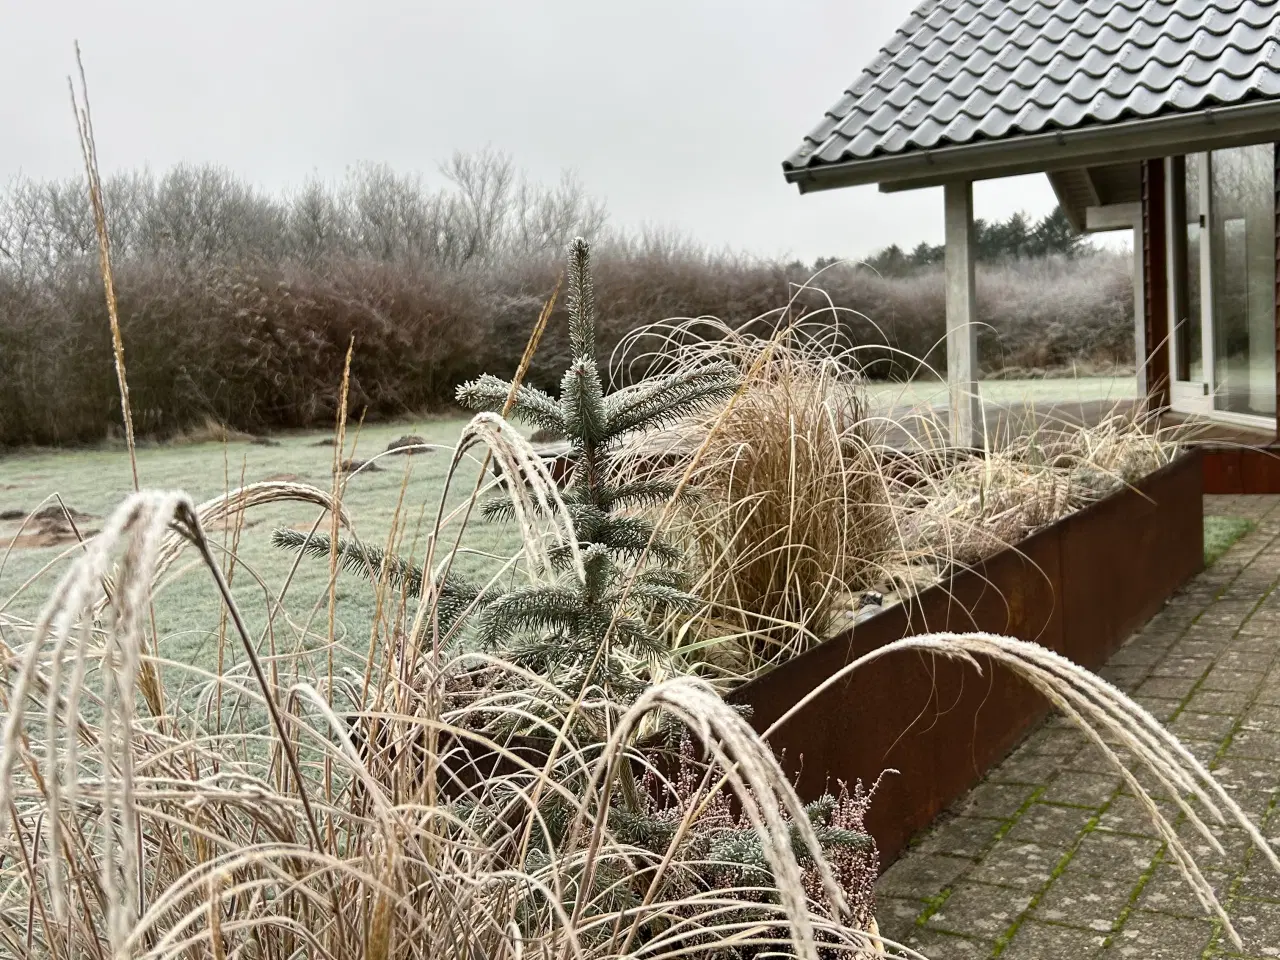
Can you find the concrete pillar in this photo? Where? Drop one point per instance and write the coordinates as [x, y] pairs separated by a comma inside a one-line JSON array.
[[962, 311]]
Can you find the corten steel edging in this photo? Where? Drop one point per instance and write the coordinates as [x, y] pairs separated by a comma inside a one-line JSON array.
[[941, 724], [1241, 469]]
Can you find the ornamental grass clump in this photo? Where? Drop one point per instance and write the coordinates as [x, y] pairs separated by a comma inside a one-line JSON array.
[[796, 512], [244, 821]]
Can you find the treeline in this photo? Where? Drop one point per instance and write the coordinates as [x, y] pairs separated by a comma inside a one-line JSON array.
[[1017, 238], [239, 306]]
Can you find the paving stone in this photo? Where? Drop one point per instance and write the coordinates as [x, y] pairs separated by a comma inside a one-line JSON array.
[[1181, 667], [1000, 800], [1235, 846], [1260, 880], [1124, 678], [1258, 925], [1027, 767], [1194, 649], [1254, 745], [1231, 702], [1023, 865], [1135, 654], [1227, 613], [1113, 855], [979, 910], [1158, 936], [1047, 941], [1090, 759], [1167, 891], [1054, 741], [1166, 625], [960, 836], [1256, 636], [1253, 780], [1203, 750], [1148, 780], [1262, 716], [1269, 692], [896, 916], [1168, 688], [1049, 826], [1082, 789], [921, 875], [1127, 815], [1224, 678], [1189, 725], [1080, 900], [1161, 708], [945, 946], [1258, 660]]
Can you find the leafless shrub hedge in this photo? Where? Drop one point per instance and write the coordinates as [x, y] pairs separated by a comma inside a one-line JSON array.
[[239, 306]]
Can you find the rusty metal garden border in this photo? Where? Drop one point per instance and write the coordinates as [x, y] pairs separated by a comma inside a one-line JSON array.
[[1080, 587]]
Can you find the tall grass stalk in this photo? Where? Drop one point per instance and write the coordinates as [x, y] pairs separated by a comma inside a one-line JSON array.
[[89, 151]]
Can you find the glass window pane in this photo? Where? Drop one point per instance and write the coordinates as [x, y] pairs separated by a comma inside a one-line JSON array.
[[1244, 277], [1187, 353]]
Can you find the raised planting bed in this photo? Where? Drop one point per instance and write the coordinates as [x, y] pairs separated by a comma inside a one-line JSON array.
[[1080, 587]]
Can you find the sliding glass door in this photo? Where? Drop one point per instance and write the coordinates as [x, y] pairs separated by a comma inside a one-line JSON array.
[[1222, 269]]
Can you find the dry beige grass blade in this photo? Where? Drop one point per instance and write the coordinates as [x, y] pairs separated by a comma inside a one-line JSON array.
[[218, 510], [530, 349], [793, 511], [89, 150], [1110, 719], [808, 497], [227, 859]]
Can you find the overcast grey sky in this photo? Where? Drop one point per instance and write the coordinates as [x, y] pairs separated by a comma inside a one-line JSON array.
[[676, 112]]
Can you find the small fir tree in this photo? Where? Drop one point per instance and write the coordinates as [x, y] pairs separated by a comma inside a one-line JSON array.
[[577, 622], [602, 622]]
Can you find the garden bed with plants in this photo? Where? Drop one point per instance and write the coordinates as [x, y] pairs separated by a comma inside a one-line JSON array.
[[1078, 587], [541, 762]]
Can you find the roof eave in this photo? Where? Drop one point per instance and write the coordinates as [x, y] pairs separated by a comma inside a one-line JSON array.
[[1211, 128]]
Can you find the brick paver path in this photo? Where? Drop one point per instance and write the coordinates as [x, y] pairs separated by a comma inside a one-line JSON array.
[[1050, 859]]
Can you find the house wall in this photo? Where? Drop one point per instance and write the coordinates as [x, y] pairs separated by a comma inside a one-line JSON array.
[[1235, 468]]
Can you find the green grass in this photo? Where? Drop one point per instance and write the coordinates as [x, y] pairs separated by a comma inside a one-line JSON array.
[[1220, 533], [1059, 389], [187, 609]]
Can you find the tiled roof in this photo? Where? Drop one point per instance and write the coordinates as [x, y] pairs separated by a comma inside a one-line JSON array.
[[964, 71]]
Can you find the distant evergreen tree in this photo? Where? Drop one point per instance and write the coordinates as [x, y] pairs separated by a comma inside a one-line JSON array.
[[1054, 234], [925, 255], [1011, 239], [892, 261]]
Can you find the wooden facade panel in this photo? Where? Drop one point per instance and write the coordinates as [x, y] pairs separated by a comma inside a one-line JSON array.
[[1275, 155], [1155, 281]]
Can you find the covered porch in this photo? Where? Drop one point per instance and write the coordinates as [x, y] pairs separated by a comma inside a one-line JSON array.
[[1205, 259], [1158, 119]]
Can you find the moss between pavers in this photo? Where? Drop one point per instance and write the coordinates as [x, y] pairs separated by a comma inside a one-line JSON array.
[[1220, 533]]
